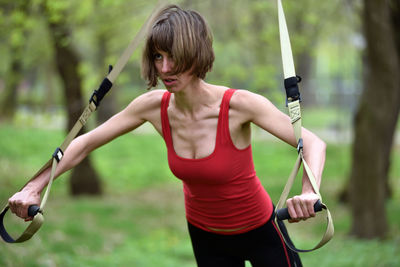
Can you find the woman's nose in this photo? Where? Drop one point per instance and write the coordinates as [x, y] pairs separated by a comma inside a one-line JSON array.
[[167, 65]]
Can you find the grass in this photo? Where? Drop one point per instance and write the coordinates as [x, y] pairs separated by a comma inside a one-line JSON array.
[[140, 221]]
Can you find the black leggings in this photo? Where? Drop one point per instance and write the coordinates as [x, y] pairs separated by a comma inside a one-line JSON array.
[[262, 246]]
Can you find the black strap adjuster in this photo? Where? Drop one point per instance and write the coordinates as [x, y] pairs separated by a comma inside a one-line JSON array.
[[300, 145], [103, 89], [58, 154], [98, 94], [292, 89]]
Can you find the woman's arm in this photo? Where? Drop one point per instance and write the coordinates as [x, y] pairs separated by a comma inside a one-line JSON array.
[[260, 111], [144, 108]]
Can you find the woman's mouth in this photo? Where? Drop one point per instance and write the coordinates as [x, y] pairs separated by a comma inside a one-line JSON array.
[[169, 82]]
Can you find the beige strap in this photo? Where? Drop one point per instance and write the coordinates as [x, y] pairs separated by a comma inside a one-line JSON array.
[[294, 111], [135, 42], [38, 219]]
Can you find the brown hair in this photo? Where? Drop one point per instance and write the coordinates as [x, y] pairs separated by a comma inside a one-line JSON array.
[[185, 35]]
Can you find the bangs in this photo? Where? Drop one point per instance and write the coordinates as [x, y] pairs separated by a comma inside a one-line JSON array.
[[185, 36], [161, 39], [175, 37]]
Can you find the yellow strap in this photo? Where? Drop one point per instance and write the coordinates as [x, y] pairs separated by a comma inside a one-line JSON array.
[[135, 42], [295, 117], [294, 111], [287, 58], [38, 220]]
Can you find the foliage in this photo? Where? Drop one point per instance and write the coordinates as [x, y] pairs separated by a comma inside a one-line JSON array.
[[247, 49], [246, 40], [140, 221]]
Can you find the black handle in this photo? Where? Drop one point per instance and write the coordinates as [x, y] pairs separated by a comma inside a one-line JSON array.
[[33, 210], [283, 214]]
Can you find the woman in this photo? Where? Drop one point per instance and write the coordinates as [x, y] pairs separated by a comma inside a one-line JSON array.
[[207, 131]]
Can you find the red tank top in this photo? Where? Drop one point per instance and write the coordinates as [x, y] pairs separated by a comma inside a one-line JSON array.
[[221, 190]]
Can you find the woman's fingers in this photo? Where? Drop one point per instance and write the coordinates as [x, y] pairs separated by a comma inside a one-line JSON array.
[[301, 207], [20, 202]]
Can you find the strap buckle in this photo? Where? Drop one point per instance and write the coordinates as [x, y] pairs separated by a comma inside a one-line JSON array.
[[58, 154], [103, 89], [300, 145], [292, 89], [93, 98]]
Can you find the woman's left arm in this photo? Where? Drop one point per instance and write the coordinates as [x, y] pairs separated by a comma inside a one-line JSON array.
[[260, 111]]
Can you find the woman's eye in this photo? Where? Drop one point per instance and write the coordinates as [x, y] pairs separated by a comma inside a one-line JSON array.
[[157, 56]]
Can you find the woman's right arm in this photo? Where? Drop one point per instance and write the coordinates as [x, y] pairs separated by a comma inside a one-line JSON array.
[[144, 108]]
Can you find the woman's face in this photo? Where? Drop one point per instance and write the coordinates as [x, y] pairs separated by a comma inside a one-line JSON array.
[[164, 64]]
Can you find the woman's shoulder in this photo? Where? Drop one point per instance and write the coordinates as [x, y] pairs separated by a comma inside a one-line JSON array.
[[154, 94], [249, 104], [147, 102], [245, 99], [150, 98]]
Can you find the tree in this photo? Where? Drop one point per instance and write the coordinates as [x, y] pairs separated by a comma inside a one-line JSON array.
[[84, 179], [376, 118], [102, 32], [13, 78], [15, 18], [308, 22]]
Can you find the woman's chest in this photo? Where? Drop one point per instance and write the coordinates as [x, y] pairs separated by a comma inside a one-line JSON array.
[[194, 137]]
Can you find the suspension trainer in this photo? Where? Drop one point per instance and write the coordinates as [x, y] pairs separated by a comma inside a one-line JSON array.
[[293, 100], [37, 212]]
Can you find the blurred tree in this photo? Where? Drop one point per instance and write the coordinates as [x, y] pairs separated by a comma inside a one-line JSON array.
[[102, 32], [376, 118], [246, 41], [84, 178], [13, 78], [308, 22], [13, 28]]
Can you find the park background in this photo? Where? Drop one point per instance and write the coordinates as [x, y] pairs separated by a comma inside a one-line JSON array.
[[123, 207]]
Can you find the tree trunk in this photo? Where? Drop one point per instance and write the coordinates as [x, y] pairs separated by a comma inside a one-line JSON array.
[[8, 105], [8, 100], [303, 68], [108, 104], [84, 179], [375, 122]]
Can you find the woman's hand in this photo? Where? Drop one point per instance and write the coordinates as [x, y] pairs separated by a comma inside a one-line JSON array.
[[20, 202], [301, 207]]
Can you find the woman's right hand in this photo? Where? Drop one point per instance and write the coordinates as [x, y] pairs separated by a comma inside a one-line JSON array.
[[20, 202]]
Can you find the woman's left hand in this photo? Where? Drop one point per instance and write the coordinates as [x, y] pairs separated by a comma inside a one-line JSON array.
[[301, 207]]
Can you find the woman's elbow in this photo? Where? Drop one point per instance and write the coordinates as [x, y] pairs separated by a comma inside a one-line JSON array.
[[321, 145], [315, 143], [79, 147]]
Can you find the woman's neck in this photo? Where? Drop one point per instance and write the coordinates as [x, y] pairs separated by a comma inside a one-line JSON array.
[[195, 96]]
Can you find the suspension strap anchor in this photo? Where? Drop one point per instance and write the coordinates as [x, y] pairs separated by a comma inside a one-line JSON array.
[[293, 100]]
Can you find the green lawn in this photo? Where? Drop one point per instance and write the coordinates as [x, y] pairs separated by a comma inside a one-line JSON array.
[[140, 221]]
